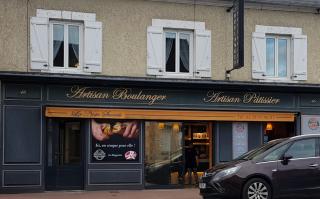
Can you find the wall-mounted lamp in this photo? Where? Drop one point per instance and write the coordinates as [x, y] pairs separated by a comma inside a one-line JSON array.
[[161, 125], [269, 126], [176, 127]]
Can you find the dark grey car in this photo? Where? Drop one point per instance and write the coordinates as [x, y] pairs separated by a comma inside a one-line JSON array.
[[285, 167]]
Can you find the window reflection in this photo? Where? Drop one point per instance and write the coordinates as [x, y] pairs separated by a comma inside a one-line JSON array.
[[70, 148], [184, 52], [73, 34], [270, 57], [170, 52], [282, 57], [164, 153], [58, 45]]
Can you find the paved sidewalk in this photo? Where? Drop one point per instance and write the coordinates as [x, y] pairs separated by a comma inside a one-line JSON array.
[[139, 194]]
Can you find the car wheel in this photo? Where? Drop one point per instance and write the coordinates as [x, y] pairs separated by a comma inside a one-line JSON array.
[[256, 188]]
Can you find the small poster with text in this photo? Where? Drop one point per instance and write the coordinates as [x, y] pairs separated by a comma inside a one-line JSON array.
[[239, 138]]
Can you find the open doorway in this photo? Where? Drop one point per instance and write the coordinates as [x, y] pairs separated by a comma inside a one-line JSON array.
[[197, 151], [277, 130]]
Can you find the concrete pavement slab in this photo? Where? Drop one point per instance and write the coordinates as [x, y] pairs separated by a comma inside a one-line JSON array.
[[137, 194]]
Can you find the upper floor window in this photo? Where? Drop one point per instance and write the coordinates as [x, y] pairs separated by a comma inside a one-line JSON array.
[[279, 54], [179, 49], [65, 42], [66, 45]]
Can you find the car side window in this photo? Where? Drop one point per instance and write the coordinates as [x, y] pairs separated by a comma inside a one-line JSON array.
[[275, 154], [302, 149]]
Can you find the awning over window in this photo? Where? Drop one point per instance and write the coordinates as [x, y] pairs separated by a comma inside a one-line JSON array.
[[67, 112]]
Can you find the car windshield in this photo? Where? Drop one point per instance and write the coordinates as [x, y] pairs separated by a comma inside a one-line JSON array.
[[257, 151]]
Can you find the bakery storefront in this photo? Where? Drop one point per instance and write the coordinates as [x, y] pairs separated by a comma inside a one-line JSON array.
[[117, 133]]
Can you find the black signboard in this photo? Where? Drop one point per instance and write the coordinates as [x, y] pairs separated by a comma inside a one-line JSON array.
[[115, 141], [238, 34], [158, 98]]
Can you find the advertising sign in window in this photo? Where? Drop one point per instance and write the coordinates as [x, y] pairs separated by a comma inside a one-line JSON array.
[[115, 141], [239, 138], [310, 124]]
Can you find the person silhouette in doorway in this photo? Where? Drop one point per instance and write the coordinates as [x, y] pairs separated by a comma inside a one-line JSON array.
[[191, 163]]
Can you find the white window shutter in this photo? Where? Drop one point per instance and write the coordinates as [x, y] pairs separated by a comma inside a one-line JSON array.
[[202, 53], [155, 51], [259, 53], [92, 46], [299, 58], [39, 42]]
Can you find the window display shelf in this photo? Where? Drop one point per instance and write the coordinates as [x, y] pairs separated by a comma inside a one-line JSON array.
[[199, 143], [201, 138], [203, 160]]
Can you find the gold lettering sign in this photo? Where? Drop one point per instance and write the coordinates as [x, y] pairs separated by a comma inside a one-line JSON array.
[[77, 92], [246, 98]]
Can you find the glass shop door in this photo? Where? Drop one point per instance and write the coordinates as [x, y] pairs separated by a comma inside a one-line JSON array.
[[64, 166], [163, 154]]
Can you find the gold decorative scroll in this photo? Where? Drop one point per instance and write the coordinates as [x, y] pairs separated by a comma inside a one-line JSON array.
[[67, 112]]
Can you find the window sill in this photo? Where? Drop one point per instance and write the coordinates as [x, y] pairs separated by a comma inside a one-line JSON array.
[[278, 80], [177, 76], [66, 71]]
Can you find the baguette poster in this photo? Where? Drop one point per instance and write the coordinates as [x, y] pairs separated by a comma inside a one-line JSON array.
[[115, 141]]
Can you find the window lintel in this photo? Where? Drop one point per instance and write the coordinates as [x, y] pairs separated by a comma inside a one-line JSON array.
[[178, 24], [278, 30], [66, 15]]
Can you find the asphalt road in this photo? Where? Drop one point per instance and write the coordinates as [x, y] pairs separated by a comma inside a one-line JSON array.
[[141, 194]]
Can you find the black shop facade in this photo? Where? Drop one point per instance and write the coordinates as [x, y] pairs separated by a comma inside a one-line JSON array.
[[104, 133]]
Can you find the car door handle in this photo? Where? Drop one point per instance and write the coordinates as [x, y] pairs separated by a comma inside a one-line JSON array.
[[313, 165]]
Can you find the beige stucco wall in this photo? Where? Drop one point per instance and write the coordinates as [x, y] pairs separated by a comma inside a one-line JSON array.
[[13, 35], [124, 32]]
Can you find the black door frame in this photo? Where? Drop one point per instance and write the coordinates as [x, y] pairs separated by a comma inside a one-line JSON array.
[[55, 125]]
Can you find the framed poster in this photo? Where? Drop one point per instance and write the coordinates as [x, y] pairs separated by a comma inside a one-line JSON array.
[[310, 124], [115, 141], [239, 138]]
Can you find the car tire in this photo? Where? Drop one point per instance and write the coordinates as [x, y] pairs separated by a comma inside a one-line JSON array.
[[257, 188]]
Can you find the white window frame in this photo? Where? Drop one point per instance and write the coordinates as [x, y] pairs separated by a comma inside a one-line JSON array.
[[200, 62], [66, 67], [177, 32], [276, 56], [293, 73], [90, 41]]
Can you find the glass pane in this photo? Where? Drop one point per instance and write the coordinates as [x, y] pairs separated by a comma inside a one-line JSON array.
[[184, 52], [163, 153], [170, 52], [73, 36], [270, 57], [282, 57], [276, 154], [58, 45], [70, 148], [303, 149]]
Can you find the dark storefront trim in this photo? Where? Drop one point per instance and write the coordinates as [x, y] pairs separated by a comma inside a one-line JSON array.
[[21, 91]]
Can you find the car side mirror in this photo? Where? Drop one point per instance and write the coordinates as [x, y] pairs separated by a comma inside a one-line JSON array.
[[286, 159]]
